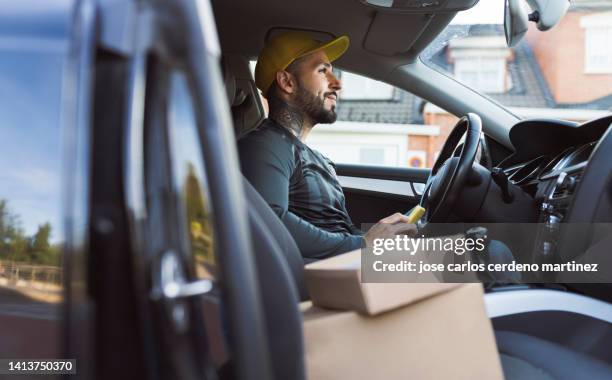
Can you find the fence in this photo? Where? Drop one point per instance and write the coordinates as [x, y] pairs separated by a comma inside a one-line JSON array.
[[41, 277]]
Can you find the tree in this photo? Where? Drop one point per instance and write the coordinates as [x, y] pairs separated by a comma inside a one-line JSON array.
[[39, 246], [13, 242], [16, 246], [4, 227]]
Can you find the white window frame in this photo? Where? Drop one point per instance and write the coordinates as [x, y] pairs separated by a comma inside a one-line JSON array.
[[593, 24], [359, 87], [476, 52], [478, 65], [591, 51]]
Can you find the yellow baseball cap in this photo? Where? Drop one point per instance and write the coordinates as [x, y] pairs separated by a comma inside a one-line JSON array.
[[285, 48]]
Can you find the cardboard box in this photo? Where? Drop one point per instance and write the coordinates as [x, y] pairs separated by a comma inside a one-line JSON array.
[[446, 336], [335, 283]]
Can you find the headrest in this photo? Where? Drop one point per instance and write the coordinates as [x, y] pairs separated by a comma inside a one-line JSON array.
[[243, 96], [229, 80], [235, 96]]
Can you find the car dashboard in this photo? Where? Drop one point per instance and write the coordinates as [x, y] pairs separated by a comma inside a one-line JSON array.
[[551, 156], [550, 161]]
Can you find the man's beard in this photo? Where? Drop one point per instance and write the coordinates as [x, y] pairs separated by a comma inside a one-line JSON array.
[[314, 107]]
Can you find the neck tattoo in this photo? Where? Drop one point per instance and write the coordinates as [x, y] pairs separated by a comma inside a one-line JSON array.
[[289, 117]]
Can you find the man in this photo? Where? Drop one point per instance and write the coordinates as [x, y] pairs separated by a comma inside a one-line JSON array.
[[294, 73]]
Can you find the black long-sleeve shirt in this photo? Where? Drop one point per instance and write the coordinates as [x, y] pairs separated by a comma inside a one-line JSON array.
[[301, 186]]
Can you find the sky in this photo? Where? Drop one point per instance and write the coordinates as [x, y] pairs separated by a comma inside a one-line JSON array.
[[485, 12], [32, 53], [30, 171]]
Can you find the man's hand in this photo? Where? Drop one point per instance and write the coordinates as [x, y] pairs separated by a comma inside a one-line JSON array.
[[390, 226]]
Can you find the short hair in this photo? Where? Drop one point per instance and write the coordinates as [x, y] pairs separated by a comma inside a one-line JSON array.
[[272, 94]]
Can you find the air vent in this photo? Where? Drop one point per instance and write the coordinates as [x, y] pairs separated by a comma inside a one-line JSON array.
[[511, 171], [527, 172], [567, 186]]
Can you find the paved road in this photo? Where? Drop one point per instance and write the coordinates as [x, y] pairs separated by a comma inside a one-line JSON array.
[[28, 328]]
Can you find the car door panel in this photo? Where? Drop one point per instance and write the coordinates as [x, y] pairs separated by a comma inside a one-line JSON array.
[[374, 192]]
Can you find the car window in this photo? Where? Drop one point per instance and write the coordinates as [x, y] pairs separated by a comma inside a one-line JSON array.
[[189, 178], [379, 124], [196, 213], [31, 231], [563, 73]]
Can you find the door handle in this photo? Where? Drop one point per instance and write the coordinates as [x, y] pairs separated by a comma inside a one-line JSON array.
[[173, 283]]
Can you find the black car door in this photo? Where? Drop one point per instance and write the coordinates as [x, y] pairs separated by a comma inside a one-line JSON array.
[[191, 261], [161, 281]]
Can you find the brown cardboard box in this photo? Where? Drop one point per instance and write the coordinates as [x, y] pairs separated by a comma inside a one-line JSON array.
[[446, 336], [335, 283]]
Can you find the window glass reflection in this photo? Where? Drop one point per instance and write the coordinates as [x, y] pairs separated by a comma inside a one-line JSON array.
[[30, 228], [190, 179], [31, 233]]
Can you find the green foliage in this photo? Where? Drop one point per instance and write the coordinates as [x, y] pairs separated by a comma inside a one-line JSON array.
[[15, 245]]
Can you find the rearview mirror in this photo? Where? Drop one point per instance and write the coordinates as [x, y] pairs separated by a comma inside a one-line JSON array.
[[547, 13], [516, 22]]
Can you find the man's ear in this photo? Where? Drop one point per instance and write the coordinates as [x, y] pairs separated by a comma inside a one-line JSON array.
[[285, 81]]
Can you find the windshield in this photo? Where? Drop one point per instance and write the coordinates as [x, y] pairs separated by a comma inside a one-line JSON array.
[[564, 73]]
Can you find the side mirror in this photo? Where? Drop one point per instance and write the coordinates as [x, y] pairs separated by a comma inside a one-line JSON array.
[[516, 22]]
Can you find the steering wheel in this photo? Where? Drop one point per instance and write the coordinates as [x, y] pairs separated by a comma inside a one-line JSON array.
[[450, 173]]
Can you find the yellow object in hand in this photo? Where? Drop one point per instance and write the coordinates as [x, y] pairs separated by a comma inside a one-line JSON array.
[[415, 214]]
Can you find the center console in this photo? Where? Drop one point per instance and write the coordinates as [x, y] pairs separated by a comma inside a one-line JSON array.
[[556, 193]]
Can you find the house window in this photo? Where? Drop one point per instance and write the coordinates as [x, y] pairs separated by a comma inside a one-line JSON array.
[[372, 156], [484, 74], [357, 87], [598, 58]]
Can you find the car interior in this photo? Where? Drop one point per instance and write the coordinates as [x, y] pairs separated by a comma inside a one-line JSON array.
[[135, 304], [528, 155]]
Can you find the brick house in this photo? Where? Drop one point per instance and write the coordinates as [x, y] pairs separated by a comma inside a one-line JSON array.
[[564, 73]]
